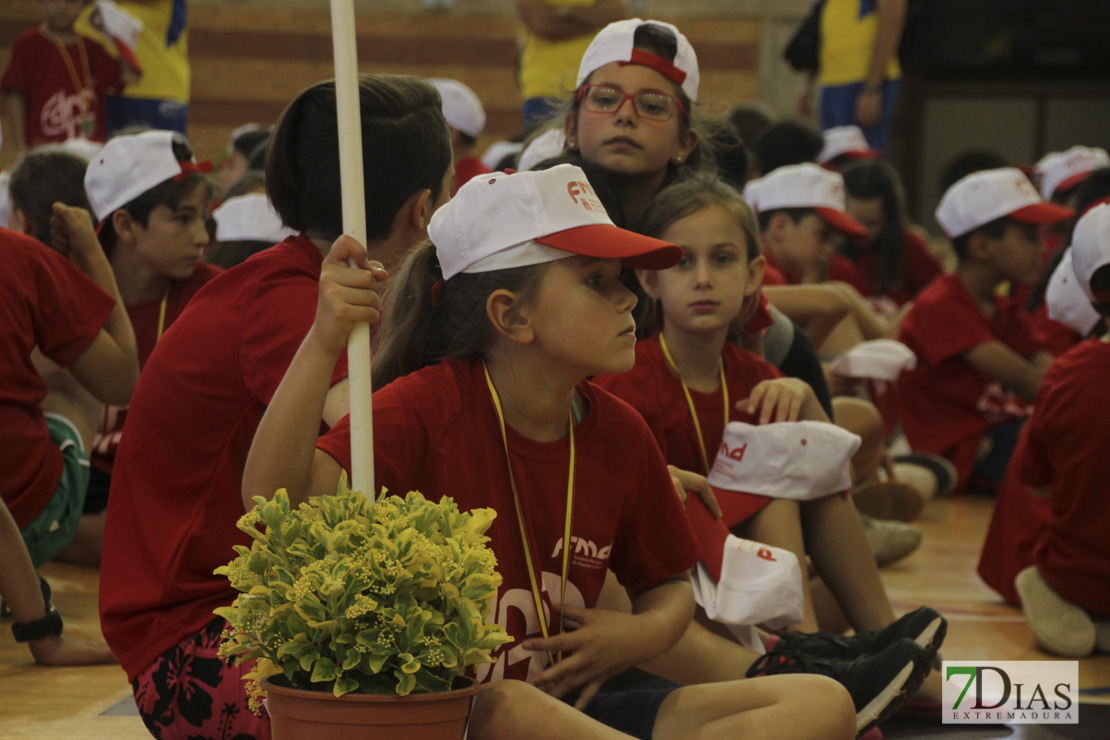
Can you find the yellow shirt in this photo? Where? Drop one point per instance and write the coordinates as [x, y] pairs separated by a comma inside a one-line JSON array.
[[548, 69], [848, 32], [166, 72]]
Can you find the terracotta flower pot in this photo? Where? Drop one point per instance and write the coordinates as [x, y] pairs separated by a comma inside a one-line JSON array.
[[296, 714]]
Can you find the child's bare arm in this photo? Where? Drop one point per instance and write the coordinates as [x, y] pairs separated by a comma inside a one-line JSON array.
[[109, 368], [283, 453], [1000, 363], [16, 137], [19, 587], [609, 642]]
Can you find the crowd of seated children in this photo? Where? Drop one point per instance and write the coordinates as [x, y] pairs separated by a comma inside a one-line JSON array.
[[510, 331]]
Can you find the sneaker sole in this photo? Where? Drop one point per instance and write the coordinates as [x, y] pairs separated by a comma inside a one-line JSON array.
[[890, 699], [932, 636], [941, 468]]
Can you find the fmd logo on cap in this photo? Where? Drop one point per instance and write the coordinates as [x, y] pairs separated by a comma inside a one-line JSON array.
[[1011, 692]]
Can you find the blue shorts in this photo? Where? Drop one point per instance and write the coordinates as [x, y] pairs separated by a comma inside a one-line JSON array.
[[994, 456], [56, 524], [838, 108], [629, 702], [163, 115]]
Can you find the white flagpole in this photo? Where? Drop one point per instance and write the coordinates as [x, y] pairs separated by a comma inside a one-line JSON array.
[[354, 225]]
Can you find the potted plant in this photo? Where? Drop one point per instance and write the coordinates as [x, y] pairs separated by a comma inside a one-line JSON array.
[[354, 603]]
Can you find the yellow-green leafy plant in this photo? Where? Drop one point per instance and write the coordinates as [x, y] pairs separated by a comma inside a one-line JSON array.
[[342, 594]]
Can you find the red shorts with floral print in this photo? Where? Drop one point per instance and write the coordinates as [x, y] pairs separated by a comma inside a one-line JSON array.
[[189, 692]]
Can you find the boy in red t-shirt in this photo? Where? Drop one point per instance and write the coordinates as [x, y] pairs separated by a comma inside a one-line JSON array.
[[980, 359], [177, 481], [801, 209], [1056, 543], [56, 82], [69, 313], [151, 200]]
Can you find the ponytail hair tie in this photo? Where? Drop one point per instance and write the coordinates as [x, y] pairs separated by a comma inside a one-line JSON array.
[[437, 291]]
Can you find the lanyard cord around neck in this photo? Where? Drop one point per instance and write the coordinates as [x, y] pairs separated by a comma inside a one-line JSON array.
[[690, 399], [77, 84], [536, 581], [162, 316]]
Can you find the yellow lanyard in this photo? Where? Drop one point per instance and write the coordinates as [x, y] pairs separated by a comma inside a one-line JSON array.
[[162, 316], [537, 581], [690, 400], [77, 85]]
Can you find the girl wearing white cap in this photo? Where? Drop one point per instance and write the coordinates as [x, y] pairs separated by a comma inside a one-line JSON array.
[[492, 330], [631, 114], [682, 383]]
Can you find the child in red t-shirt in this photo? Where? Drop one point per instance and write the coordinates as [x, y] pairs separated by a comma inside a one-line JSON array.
[[686, 375], [980, 361], [56, 82], [801, 210], [894, 263], [483, 396], [151, 200], [55, 313], [1055, 544], [177, 480]]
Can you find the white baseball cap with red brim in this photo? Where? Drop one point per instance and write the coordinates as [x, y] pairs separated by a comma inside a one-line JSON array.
[[128, 166], [876, 359], [805, 185], [499, 221], [798, 460], [1062, 171], [461, 106], [846, 141], [1066, 300], [741, 582], [616, 43], [989, 195], [1090, 249], [249, 217]]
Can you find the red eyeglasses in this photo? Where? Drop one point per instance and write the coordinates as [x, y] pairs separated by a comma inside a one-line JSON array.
[[650, 105]]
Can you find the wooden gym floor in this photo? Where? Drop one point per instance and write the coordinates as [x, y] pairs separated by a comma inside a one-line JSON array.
[[95, 703]]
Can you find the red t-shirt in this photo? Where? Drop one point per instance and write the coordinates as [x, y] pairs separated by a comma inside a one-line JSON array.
[[57, 96], [177, 481], [1067, 451], [435, 430], [840, 269], [919, 268], [144, 320], [946, 405], [653, 390], [45, 302], [465, 169]]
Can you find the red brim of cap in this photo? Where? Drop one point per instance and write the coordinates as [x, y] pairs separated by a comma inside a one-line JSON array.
[[712, 534], [604, 241], [842, 222], [1070, 182], [1042, 213], [830, 164]]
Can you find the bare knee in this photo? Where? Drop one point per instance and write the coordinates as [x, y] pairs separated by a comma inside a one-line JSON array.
[[826, 698], [859, 417], [507, 709]]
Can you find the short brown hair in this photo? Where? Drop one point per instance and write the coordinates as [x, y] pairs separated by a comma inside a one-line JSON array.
[[406, 148]]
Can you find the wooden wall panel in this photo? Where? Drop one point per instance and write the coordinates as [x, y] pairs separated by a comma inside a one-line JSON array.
[[248, 62]]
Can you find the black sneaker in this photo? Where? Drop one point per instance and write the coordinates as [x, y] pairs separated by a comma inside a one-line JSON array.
[[5, 610], [924, 626], [879, 684]]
